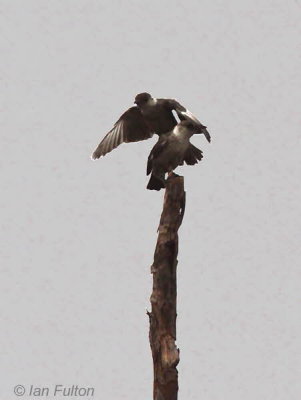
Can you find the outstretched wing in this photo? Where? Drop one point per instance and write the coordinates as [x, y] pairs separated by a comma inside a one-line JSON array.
[[183, 113], [131, 127]]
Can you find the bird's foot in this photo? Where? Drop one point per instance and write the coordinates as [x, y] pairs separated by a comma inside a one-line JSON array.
[[172, 174]]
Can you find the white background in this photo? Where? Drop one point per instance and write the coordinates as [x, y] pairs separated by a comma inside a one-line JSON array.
[[77, 237]]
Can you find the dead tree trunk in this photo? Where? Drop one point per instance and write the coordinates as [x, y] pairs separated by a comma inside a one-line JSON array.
[[162, 334]]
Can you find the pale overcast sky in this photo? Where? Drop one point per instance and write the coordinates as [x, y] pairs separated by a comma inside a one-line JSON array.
[[77, 237]]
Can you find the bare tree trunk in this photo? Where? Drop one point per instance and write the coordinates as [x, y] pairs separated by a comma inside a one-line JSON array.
[[162, 334]]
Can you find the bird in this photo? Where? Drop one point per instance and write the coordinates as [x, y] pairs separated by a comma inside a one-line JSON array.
[[171, 150], [149, 116]]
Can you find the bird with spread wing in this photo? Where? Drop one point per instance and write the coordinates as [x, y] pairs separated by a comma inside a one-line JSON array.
[[147, 117]]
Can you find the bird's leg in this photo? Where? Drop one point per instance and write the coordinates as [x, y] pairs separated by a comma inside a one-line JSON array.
[[171, 173]]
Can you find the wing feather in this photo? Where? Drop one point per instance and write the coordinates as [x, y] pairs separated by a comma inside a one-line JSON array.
[[116, 138], [183, 113], [131, 127], [121, 132], [158, 148]]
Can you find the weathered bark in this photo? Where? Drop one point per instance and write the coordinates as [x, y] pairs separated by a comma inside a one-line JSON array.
[[162, 334]]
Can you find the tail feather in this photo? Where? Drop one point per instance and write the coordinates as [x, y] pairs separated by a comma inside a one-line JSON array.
[[193, 155], [155, 183]]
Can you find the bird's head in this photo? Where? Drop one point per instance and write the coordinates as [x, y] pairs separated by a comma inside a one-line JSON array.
[[142, 98], [191, 126], [187, 125]]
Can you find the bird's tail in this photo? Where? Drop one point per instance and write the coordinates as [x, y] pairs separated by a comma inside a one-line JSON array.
[[155, 183], [193, 155]]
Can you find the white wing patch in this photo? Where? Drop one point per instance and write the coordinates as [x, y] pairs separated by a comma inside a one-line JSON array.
[[188, 114], [174, 113]]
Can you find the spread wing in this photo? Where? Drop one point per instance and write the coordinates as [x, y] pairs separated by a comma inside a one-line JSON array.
[[160, 146], [183, 114], [131, 127]]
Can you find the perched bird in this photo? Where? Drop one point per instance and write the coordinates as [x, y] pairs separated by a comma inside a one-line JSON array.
[[171, 150], [147, 117]]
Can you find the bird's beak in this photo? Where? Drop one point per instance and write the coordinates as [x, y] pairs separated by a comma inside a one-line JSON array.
[[135, 102]]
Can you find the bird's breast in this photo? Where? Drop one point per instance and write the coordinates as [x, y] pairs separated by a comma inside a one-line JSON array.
[[158, 119], [178, 143]]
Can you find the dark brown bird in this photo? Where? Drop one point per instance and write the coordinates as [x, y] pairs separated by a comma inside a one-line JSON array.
[[140, 122], [171, 150]]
